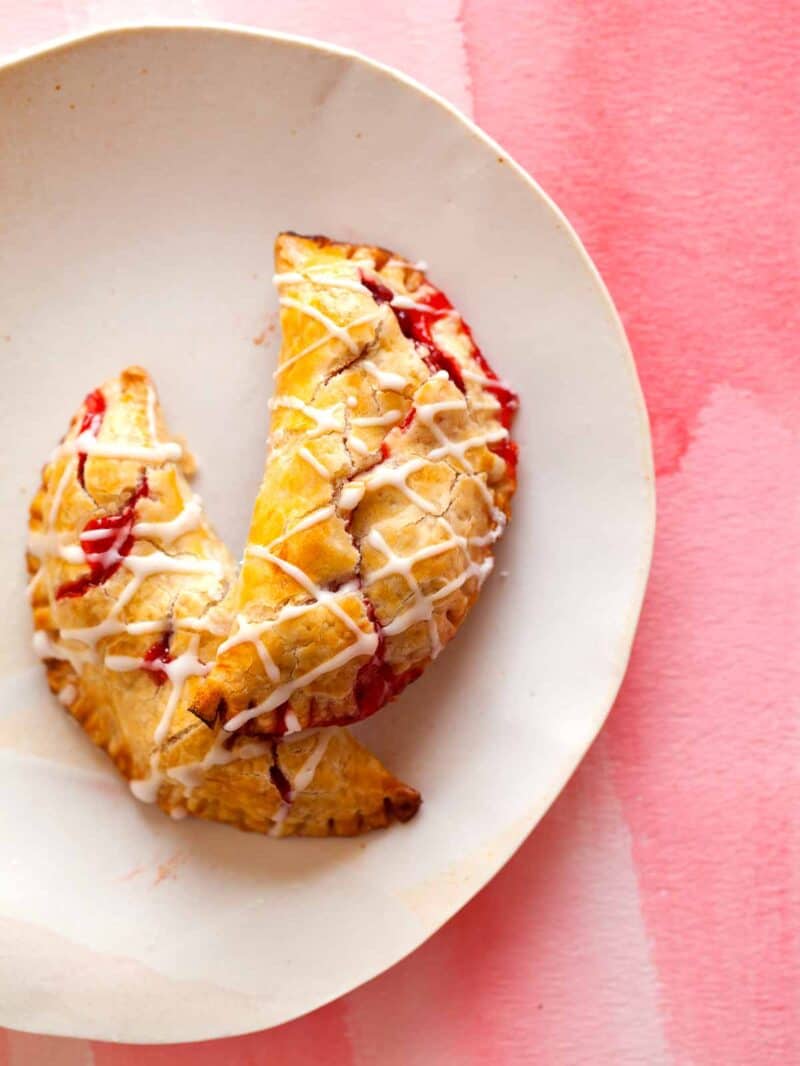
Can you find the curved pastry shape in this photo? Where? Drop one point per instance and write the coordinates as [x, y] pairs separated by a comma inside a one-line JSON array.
[[389, 478], [127, 590]]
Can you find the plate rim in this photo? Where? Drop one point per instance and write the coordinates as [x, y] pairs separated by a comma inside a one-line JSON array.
[[514, 841]]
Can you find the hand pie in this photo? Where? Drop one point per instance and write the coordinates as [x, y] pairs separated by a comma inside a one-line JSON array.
[[127, 594], [389, 479]]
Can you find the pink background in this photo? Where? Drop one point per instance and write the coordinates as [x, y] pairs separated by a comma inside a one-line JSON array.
[[653, 916]]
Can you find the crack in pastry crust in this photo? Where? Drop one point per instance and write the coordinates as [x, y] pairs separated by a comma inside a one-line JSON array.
[[389, 479]]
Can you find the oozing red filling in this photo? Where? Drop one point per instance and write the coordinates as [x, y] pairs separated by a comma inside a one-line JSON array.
[[279, 778], [401, 426], [508, 452], [376, 682], [280, 719], [158, 653], [382, 293], [95, 404], [105, 541], [416, 324], [409, 418], [507, 398]]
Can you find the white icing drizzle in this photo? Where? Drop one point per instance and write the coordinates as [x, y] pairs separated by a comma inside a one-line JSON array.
[[326, 419], [458, 449], [48, 542], [302, 780], [365, 643], [427, 412], [331, 281], [186, 521], [488, 405], [67, 695], [386, 379], [191, 774], [365, 646], [404, 565], [30, 588], [305, 775], [184, 666], [250, 633], [386, 474], [320, 341], [498, 516], [387, 419], [142, 567], [396, 477], [322, 514], [333, 329], [146, 789], [395, 261], [278, 818], [87, 444], [477, 378], [67, 474], [421, 607], [41, 544], [314, 463], [357, 445], [406, 303], [179, 671], [292, 722], [152, 424], [351, 495], [46, 648]]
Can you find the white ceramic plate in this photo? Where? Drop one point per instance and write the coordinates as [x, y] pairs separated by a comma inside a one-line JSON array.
[[144, 175]]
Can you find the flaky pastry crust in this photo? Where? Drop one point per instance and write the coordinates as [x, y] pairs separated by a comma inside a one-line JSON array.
[[128, 597], [389, 478]]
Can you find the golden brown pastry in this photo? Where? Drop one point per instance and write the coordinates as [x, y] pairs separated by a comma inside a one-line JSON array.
[[127, 590], [389, 479]]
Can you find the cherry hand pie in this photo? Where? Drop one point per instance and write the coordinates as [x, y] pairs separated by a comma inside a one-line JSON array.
[[388, 480]]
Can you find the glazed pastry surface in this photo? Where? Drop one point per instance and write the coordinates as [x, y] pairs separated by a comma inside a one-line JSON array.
[[128, 595], [388, 481]]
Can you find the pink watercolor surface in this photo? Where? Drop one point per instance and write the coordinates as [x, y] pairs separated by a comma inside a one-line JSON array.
[[653, 917]]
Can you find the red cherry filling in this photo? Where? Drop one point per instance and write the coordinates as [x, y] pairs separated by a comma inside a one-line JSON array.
[[95, 404], [105, 541], [280, 720], [507, 450], [416, 324], [507, 399], [409, 418], [376, 682], [402, 427], [279, 778], [158, 653], [382, 293]]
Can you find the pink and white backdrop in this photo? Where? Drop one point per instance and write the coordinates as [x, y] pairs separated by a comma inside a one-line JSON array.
[[654, 916]]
